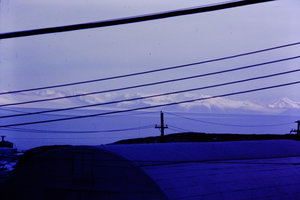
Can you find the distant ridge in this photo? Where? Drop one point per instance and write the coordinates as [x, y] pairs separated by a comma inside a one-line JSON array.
[[285, 103], [203, 137]]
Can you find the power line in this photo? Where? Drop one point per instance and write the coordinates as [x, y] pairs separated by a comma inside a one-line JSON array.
[[224, 124], [151, 84], [154, 106], [123, 115], [152, 96], [151, 71], [76, 132], [11, 110], [175, 128], [134, 19]]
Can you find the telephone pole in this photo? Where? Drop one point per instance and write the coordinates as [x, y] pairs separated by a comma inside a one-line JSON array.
[[162, 125], [298, 128]]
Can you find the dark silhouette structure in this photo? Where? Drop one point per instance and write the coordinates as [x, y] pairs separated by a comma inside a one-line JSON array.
[[78, 173], [265, 169], [6, 144], [162, 126], [298, 127], [297, 131]]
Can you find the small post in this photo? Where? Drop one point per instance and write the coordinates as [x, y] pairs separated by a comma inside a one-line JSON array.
[[162, 125], [298, 127]]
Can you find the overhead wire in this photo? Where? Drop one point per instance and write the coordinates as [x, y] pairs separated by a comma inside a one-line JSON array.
[[59, 29], [12, 110], [151, 96], [3, 36], [175, 128], [133, 19], [153, 83], [151, 71], [225, 124], [122, 115], [152, 106], [14, 129]]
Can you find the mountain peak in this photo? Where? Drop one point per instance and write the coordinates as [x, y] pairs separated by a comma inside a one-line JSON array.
[[285, 103]]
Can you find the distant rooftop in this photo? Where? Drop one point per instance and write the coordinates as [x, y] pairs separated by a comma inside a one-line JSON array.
[[4, 143]]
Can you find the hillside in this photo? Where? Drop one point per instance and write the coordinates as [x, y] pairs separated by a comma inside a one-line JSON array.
[[204, 137]]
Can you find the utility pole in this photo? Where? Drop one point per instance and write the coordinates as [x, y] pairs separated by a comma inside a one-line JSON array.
[[162, 125], [298, 128]]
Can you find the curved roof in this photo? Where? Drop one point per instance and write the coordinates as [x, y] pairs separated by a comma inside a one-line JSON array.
[[205, 170], [220, 170], [79, 172]]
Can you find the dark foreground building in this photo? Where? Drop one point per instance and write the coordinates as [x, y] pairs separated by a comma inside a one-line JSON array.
[[215, 170], [78, 173], [6, 147]]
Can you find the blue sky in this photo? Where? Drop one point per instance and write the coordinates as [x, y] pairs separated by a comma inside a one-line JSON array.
[[89, 54]]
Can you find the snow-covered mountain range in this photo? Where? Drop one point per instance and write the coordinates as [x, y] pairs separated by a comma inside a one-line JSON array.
[[214, 105], [285, 103]]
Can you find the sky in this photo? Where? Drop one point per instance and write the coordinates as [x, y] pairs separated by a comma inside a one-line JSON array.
[[51, 59], [59, 58]]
